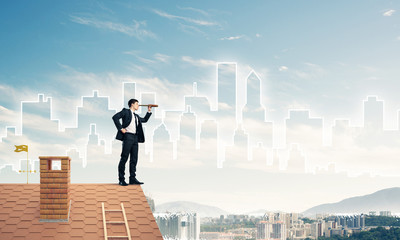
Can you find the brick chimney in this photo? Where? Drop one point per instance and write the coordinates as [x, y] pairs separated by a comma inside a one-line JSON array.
[[54, 189]]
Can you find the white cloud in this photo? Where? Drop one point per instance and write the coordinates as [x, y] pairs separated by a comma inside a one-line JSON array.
[[71, 84], [135, 30], [162, 57], [232, 38], [369, 69], [312, 65], [224, 106], [136, 54], [258, 35], [199, 62], [167, 92], [145, 60], [36, 122], [8, 118], [283, 68], [4, 109], [297, 105], [110, 84], [312, 71], [13, 95], [194, 10], [132, 52], [185, 19], [137, 68], [372, 78], [302, 74], [389, 13], [158, 57], [190, 29]]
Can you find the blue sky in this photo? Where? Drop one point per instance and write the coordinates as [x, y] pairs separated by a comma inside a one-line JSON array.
[[318, 55], [345, 47]]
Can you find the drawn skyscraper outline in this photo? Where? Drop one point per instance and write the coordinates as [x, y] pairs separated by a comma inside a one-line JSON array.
[[381, 119]]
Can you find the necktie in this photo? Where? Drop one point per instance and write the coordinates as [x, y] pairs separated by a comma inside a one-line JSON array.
[[135, 122]]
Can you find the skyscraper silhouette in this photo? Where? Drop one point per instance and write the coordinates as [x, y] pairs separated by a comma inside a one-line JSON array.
[[129, 91], [302, 129], [253, 115], [373, 114]]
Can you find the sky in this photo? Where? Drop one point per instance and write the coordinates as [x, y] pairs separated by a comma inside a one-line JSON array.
[[326, 57], [311, 54]]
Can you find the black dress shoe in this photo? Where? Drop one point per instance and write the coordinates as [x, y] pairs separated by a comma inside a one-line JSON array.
[[123, 183], [134, 181]]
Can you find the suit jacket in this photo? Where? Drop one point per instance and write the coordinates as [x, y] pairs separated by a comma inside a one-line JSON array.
[[126, 116]]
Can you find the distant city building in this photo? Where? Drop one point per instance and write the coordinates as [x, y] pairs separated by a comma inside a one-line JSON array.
[[295, 228], [182, 226], [262, 230], [355, 221], [337, 232], [237, 218], [372, 213], [278, 231], [317, 229], [271, 230], [150, 201], [224, 236], [385, 213]]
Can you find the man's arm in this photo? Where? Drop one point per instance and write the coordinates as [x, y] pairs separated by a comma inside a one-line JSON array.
[[148, 114], [143, 120], [116, 119]]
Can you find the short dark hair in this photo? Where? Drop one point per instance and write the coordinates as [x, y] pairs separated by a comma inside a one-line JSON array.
[[132, 101]]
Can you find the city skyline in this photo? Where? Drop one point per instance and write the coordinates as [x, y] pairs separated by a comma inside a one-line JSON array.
[[372, 117], [289, 159]]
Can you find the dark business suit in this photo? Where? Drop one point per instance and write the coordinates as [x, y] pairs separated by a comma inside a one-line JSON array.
[[130, 141]]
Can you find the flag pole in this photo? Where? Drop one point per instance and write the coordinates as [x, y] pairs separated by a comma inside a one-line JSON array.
[[21, 148], [27, 167]]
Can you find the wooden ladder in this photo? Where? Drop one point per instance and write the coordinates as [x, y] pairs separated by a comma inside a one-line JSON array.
[[115, 222]]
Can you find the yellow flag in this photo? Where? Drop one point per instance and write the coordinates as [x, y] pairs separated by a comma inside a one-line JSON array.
[[21, 148]]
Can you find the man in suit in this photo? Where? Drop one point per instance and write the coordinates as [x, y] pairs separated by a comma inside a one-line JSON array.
[[130, 133]]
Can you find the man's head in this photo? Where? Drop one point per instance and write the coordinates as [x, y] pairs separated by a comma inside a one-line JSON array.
[[133, 104]]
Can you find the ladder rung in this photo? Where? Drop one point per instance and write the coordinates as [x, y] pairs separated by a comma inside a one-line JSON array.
[[106, 237]]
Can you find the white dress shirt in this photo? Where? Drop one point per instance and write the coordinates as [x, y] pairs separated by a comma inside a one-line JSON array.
[[132, 126]]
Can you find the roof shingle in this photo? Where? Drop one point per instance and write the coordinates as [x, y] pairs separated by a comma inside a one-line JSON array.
[[20, 213]]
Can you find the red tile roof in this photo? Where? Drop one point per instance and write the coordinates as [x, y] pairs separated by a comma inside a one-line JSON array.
[[20, 213]]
